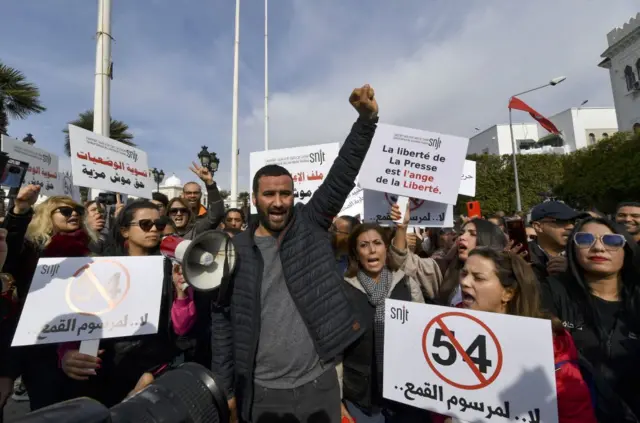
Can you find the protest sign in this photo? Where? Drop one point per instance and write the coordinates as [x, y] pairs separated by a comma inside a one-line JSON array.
[[43, 166], [354, 205], [309, 166], [468, 180], [414, 163], [474, 366], [377, 206], [77, 299], [65, 178], [102, 163]]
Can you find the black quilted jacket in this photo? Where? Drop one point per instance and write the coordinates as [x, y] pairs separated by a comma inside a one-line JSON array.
[[309, 268]]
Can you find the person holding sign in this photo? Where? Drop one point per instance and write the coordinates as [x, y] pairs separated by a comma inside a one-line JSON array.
[[502, 282], [370, 281], [274, 347], [54, 229], [109, 377]]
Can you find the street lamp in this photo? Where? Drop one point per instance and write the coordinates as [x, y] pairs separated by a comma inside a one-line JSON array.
[[158, 176], [29, 139], [551, 83], [208, 160]]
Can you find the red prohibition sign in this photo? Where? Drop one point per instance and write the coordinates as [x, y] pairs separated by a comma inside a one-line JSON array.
[[415, 203], [483, 381]]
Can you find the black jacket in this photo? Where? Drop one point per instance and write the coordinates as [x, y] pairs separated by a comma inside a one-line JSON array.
[[309, 268], [616, 358]]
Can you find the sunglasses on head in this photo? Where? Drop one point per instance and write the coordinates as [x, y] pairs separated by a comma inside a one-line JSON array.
[[147, 224], [176, 210], [610, 241], [67, 211]]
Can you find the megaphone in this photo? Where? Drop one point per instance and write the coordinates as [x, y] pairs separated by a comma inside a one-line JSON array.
[[207, 261]]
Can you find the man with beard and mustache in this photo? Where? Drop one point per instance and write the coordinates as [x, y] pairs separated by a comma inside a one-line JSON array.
[[340, 230], [275, 345]]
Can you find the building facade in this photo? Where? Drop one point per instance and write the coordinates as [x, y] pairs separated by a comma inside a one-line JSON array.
[[622, 59], [579, 127]]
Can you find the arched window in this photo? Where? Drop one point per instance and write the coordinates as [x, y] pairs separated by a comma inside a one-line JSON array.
[[592, 138], [605, 135], [629, 77]]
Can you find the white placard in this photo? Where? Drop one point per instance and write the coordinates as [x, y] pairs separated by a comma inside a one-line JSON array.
[[77, 299], [468, 180], [474, 366], [102, 163], [43, 166], [354, 204], [308, 165], [377, 206], [66, 180], [414, 163]]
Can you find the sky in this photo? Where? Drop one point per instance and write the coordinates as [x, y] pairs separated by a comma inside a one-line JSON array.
[[446, 66]]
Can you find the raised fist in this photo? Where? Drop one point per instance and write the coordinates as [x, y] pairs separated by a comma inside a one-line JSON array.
[[26, 198], [364, 101]]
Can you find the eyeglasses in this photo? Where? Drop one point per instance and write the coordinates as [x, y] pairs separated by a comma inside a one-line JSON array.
[[334, 229], [147, 224], [67, 211], [610, 241], [178, 210]]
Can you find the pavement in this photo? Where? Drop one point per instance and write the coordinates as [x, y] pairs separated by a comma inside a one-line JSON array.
[[13, 410]]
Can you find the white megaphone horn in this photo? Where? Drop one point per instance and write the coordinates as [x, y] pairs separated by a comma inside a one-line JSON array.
[[207, 261]]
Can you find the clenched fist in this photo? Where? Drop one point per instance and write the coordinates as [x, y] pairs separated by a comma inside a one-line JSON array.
[[26, 198], [364, 101]]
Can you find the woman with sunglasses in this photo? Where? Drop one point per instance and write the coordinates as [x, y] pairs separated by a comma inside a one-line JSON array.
[[180, 213], [597, 299], [54, 228], [109, 377]]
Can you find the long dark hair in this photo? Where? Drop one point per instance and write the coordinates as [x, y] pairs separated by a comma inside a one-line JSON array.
[[581, 293], [487, 235], [354, 263], [117, 243]]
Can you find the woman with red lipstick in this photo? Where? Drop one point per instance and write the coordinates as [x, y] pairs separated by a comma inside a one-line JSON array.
[[597, 299], [502, 282]]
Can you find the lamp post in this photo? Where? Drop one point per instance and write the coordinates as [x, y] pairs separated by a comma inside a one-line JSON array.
[[552, 83], [208, 160], [29, 139], [158, 176]]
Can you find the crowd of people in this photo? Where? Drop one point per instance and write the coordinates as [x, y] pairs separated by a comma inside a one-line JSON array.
[[300, 337]]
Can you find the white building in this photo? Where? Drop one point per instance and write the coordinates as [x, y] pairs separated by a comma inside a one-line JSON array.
[[579, 127], [497, 139], [172, 187], [622, 58]]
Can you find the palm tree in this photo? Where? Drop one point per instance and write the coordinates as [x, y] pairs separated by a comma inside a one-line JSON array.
[[224, 194], [244, 198], [118, 130], [18, 98]]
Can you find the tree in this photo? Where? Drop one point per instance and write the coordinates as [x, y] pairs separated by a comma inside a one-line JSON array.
[[224, 194], [18, 98], [244, 198], [118, 130]]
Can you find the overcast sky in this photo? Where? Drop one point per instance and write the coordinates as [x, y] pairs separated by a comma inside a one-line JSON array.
[[442, 65]]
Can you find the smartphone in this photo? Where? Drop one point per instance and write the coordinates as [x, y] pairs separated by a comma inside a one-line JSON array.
[[518, 234], [473, 209], [13, 173]]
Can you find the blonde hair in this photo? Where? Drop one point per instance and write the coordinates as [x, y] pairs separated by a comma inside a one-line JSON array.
[[40, 229]]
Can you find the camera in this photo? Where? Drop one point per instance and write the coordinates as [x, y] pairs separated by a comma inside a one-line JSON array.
[[106, 199], [186, 394], [12, 172]]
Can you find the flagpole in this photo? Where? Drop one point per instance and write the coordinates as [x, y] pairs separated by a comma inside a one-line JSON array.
[[101, 96], [234, 114], [266, 74], [515, 164]]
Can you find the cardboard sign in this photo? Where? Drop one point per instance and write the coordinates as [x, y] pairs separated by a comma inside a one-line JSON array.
[[77, 299], [105, 164], [377, 206], [473, 366], [414, 163], [43, 166]]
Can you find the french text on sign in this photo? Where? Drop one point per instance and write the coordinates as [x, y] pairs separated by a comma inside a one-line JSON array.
[[473, 366]]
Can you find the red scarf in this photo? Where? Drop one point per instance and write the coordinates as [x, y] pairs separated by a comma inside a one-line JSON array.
[[68, 244]]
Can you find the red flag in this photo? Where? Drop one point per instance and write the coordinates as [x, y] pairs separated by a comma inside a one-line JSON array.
[[516, 103]]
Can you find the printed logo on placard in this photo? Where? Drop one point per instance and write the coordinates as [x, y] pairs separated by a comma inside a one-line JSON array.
[[415, 203], [46, 158], [400, 313], [471, 361], [318, 157]]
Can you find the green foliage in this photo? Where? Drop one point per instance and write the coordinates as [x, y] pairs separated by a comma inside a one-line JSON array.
[[604, 174], [118, 130], [598, 176], [18, 98]]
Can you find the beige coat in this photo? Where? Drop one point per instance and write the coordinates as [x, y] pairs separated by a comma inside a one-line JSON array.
[[424, 270]]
